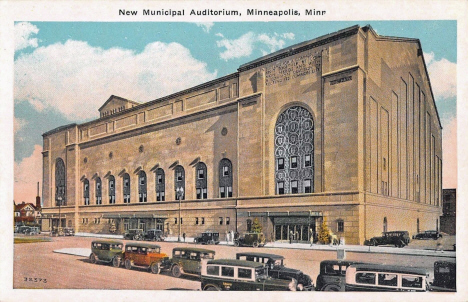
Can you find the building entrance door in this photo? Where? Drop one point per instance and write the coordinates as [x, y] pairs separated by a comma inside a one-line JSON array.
[[296, 229]]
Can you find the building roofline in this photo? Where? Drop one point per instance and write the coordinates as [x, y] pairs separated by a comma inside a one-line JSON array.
[[58, 129], [117, 97]]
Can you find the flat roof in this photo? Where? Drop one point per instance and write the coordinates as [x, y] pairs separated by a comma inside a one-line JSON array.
[[141, 244], [390, 268], [263, 255], [107, 241], [192, 249], [234, 262]]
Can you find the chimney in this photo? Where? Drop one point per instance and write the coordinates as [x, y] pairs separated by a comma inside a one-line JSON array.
[[38, 198]]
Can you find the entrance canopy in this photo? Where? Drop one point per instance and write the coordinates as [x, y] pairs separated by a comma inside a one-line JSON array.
[[130, 215]]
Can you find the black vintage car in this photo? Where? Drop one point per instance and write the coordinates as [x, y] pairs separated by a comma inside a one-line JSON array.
[[428, 235], [237, 275], [250, 239], [207, 237], [134, 234], [154, 235], [332, 276], [445, 277], [396, 238], [277, 270]]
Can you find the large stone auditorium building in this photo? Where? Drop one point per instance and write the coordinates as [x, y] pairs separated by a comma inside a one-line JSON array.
[[342, 129]]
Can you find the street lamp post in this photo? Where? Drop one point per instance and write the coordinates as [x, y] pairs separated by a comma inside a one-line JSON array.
[[59, 199], [180, 194]]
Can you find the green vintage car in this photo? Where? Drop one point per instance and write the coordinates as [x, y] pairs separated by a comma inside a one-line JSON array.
[[187, 260], [241, 275], [110, 251]]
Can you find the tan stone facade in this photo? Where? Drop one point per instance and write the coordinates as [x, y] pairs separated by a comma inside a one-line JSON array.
[[341, 129]]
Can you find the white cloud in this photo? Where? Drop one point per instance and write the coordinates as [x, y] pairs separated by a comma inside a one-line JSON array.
[[18, 123], [245, 45], [443, 75], [205, 25], [27, 173], [23, 32], [76, 78], [449, 149]]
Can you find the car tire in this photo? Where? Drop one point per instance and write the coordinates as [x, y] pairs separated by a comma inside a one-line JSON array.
[[136, 237], [92, 258], [255, 243], [211, 288], [116, 261], [176, 271], [128, 264], [155, 268], [236, 243], [331, 288], [374, 243], [210, 242], [195, 240]]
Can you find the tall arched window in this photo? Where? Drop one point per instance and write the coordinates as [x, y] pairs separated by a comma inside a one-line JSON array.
[[225, 178], [201, 182], [142, 187], [160, 185], [126, 188], [294, 151], [179, 182], [111, 189], [60, 183], [86, 192], [98, 191]]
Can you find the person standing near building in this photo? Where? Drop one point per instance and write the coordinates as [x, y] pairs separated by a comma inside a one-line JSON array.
[[311, 235], [232, 235], [183, 235], [291, 235]]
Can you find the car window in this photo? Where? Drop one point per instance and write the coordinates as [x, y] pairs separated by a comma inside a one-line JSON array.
[[176, 253], [331, 269], [227, 271], [143, 250], [365, 278], [194, 256], [387, 279], [261, 272], [207, 256], [212, 270], [411, 281], [244, 273]]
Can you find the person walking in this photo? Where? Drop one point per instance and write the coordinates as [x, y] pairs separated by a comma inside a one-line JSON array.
[[311, 238], [291, 235], [183, 235]]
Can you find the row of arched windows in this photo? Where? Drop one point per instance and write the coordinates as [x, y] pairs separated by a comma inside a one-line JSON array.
[[225, 184]]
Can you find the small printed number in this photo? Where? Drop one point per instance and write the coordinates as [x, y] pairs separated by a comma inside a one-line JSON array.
[[28, 279]]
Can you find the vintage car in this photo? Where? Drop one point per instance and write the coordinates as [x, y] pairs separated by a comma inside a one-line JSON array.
[[250, 239], [428, 235], [134, 234], [68, 231], [207, 237], [380, 277], [110, 251], [396, 238], [188, 260], [277, 270], [29, 230], [145, 255], [154, 235], [332, 276], [445, 277], [237, 275]]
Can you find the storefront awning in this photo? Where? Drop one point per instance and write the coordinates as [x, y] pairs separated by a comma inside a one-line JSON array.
[[134, 215], [280, 214]]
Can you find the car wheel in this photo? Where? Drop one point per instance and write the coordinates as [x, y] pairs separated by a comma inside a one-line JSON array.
[[176, 271], [116, 261], [210, 242], [155, 268], [331, 288], [128, 264], [92, 258], [300, 287], [135, 237], [236, 243], [211, 287], [255, 243], [195, 240]]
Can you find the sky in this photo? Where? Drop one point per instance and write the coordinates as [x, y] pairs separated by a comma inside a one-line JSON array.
[[64, 71]]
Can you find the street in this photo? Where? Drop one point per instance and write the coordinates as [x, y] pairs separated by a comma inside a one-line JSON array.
[[37, 266]]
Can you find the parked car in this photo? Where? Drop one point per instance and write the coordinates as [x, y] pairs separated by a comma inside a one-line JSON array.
[[379, 277], [110, 251], [145, 255], [34, 231], [332, 276], [24, 229], [134, 234], [250, 239], [207, 237], [188, 260], [237, 275], [68, 231], [277, 270], [445, 277], [428, 235], [396, 238], [154, 235]]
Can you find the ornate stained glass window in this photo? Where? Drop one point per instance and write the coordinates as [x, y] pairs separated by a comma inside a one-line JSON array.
[[201, 182], [160, 185], [60, 183], [294, 149], [225, 178]]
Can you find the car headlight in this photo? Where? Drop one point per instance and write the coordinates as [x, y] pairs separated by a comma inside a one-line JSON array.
[[292, 285]]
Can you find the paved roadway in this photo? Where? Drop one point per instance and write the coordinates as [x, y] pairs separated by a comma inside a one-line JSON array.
[[37, 266]]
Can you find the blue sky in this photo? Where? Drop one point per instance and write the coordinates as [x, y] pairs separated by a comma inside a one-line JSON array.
[[64, 71]]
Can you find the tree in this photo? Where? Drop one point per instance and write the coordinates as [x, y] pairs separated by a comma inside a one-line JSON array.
[[256, 226], [324, 233]]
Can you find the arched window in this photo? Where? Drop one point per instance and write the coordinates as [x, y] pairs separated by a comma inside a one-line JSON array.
[[385, 224], [201, 182], [86, 192], [60, 183], [111, 189], [225, 178], [179, 182], [294, 151], [142, 187], [98, 191], [160, 185], [126, 188]]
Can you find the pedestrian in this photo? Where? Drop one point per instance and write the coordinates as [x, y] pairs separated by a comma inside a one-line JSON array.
[[232, 235], [296, 236], [291, 235], [311, 238], [227, 236], [183, 235]]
